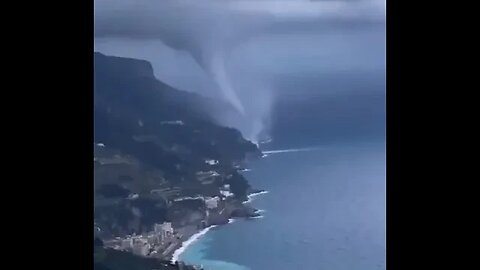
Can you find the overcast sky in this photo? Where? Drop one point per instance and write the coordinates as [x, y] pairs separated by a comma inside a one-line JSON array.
[[258, 41]]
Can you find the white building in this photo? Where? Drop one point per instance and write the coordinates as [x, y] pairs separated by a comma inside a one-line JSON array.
[[132, 196], [226, 193], [164, 230], [211, 161], [212, 203]]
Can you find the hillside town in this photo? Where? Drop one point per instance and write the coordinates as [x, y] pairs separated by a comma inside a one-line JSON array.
[[146, 244], [165, 238]]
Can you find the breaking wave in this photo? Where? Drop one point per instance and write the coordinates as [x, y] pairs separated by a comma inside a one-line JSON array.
[[290, 150]]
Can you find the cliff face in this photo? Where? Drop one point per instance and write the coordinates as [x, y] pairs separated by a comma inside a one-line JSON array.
[[131, 101], [120, 66], [151, 142]]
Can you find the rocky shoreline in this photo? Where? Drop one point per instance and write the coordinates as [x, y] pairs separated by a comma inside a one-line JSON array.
[[243, 210]]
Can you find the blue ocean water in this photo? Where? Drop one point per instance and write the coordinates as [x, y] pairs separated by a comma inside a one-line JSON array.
[[325, 210], [326, 207]]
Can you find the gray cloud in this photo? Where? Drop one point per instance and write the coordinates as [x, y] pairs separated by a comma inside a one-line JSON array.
[[205, 26], [210, 30]]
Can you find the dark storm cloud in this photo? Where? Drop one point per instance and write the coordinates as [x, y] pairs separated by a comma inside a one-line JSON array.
[[212, 31], [189, 25]]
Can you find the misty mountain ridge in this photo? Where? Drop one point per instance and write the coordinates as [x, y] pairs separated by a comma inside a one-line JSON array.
[[151, 141], [131, 105], [129, 71]]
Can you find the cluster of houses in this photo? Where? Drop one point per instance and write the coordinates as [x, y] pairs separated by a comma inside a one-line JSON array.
[[164, 235], [145, 244]]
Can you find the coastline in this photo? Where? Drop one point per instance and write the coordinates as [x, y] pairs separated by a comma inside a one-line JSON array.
[[190, 240], [176, 254]]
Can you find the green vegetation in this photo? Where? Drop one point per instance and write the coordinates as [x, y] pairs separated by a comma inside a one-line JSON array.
[[152, 142]]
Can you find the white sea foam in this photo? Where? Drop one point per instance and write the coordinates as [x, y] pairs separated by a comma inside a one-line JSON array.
[[188, 242], [251, 196], [195, 237], [257, 193], [290, 150]]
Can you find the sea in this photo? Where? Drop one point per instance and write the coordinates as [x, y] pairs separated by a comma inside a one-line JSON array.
[[325, 176]]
